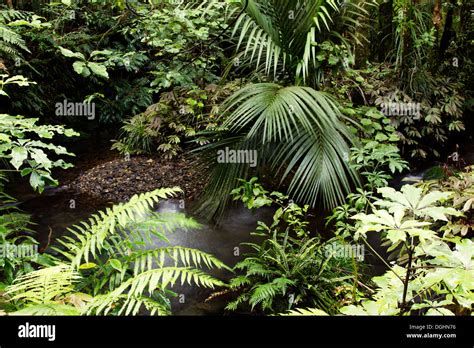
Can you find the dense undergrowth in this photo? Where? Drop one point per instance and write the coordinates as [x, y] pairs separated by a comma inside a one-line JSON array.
[[326, 101]]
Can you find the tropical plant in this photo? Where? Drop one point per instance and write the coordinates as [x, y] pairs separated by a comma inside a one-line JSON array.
[[13, 80], [26, 154], [440, 113], [288, 268], [11, 43], [376, 157], [21, 147], [183, 38], [86, 67], [18, 248], [296, 129], [461, 185], [414, 38], [105, 267], [179, 116], [429, 276], [294, 37]]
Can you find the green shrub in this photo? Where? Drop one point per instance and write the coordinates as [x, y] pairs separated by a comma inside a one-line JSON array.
[[289, 268]]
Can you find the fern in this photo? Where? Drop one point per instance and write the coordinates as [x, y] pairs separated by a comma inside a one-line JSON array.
[[90, 237], [122, 276], [148, 281], [44, 285], [188, 257], [287, 268], [49, 309], [10, 41], [265, 293]]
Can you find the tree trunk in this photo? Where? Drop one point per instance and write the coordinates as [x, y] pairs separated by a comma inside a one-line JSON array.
[[385, 29], [9, 3], [448, 33], [437, 17]]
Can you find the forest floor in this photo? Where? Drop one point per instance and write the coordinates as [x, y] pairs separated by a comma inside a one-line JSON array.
[[118, 178], [109, 177], [101, 178]]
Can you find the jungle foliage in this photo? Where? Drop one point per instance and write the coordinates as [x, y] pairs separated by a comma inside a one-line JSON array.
[[337, 98]]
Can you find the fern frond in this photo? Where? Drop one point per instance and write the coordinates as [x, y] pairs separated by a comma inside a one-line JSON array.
[[44, 285], [48, 309], [91, 237], [239, 281], [129, 305], [148, 282], [159, 225], [9, 36], [264, 293], [283, 35], [180, 256], [11, 15]]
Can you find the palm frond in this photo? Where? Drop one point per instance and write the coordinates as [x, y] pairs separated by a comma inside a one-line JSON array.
[[297, 131], [264, 293], [281, 34]]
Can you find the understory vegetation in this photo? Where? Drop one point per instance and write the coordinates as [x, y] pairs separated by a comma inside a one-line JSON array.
[[350, 121]]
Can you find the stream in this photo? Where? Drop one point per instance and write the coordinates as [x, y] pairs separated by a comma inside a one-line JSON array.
[[53, 213], [58, 208]]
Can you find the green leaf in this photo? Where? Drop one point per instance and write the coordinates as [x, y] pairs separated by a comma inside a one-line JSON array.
[[396, 236], [116, 264], [70, 54], [19, 154], [79, 67], [36, 181], [381, 137], [87, 265], [98, 69]]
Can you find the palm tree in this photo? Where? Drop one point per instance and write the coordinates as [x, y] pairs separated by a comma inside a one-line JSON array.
[[298, 131]]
